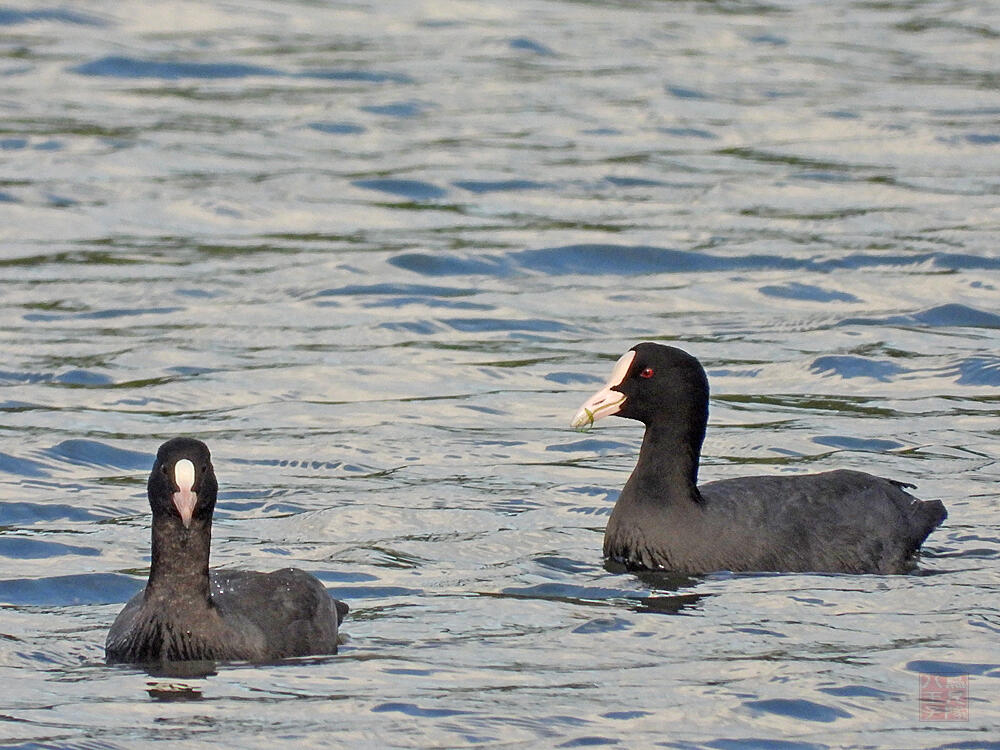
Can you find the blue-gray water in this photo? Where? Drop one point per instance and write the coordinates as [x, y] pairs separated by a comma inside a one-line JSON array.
[[376, 254]]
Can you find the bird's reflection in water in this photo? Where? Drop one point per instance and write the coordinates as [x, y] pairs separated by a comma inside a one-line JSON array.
[[170, 690], [660, 585]]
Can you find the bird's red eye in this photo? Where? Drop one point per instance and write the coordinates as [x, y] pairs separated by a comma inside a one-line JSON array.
[[647, 373]]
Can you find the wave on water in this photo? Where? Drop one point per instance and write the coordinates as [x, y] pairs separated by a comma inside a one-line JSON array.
[[118, 66], [96, 453], [69, 590], [943, 316], [630, 260]]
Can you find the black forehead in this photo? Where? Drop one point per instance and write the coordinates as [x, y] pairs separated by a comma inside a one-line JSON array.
[[182, 447], [650, 353]]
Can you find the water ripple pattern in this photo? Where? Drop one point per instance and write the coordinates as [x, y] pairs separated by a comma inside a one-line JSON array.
[[376, 254]]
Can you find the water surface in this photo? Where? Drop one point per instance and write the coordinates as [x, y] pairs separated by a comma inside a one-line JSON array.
[[376, 254]]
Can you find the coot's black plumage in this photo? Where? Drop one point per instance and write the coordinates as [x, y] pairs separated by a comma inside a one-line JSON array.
[[187, 612], [836, 522]]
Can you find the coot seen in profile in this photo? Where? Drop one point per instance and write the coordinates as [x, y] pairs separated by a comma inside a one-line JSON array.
[[837, 521]]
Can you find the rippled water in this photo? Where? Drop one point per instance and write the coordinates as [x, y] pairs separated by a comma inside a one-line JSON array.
[[377, 253]]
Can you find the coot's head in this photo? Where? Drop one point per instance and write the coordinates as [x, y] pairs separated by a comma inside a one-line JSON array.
[[652, 383], [182, 483]]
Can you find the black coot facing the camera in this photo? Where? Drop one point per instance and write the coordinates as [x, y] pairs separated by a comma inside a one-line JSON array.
[[187, 612]]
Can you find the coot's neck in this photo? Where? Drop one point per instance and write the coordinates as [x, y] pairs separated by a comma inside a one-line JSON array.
[[667, 469], [179, 568]]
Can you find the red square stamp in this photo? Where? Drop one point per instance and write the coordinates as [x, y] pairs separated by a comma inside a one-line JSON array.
[[944, 697]]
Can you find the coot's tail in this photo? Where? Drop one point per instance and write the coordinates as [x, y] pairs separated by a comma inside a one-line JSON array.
[[924, 515], [343, 609], [928, 515]]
